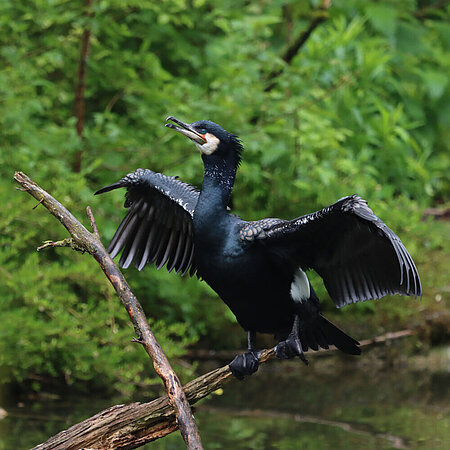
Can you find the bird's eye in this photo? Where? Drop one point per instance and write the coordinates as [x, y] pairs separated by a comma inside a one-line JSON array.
[[203, 131]]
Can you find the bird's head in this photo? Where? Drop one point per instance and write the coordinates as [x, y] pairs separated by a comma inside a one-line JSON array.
[[211, 139]]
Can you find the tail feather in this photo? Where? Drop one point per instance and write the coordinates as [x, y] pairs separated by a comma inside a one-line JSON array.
[[320, 338], [322, 332], [311, 338]]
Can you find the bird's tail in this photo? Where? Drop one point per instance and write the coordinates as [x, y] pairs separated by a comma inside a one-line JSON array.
[[322, 333]]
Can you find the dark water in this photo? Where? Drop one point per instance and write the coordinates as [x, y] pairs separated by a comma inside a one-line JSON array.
[[335, 403]]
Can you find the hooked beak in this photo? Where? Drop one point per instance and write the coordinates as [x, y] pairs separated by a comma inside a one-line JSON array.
[[186, 130]]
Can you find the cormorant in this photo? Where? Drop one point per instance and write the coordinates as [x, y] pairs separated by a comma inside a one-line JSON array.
[[259, 268]]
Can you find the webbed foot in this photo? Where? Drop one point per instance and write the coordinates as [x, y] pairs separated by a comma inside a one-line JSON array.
[[245, 364], [290, 348]]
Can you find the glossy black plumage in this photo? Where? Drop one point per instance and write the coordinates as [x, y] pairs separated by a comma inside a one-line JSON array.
[[158, 226], [344, 244], [258, 268]]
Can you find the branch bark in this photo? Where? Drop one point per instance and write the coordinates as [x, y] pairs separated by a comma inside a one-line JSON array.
[[128, 426], [84, 240]]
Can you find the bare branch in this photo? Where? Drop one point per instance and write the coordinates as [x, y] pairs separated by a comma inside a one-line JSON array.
[[92, 244], [115, 98], [37, 204], [317, 18], [429, 10], [68, 242], [92, 220]]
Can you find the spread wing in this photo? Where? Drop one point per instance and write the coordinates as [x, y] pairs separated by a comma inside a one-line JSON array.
[[158, 227], [356, 254]]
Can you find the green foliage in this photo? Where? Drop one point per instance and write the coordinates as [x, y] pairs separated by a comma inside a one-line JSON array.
[[363, 107]]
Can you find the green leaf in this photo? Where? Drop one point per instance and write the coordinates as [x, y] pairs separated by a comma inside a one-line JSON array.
[[383, 17], [435, 82]]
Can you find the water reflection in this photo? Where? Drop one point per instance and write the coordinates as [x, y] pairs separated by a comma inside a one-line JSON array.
[[337, 403]]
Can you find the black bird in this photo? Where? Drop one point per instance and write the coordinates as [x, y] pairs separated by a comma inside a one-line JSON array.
[[259, 268]]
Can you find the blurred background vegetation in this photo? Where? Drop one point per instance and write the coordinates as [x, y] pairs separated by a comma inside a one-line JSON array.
[[361, 107]]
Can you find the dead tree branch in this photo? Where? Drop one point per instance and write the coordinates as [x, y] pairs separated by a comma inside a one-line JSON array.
[[92, 220], [429, 11], [83, 239], [319, 16]]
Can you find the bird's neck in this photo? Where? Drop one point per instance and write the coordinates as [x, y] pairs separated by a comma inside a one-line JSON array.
[[218, 181], [217, 184], [211, 218]]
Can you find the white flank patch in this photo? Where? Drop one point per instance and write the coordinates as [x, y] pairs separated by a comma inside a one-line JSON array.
[[300, 286], [210, 146]]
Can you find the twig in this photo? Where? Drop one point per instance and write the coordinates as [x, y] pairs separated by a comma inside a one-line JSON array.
[[80, 87], [318, 17], [37, 204], [92, 220], [437, 213], [422, 13], [114, 100], [68, 242], [92, 244]]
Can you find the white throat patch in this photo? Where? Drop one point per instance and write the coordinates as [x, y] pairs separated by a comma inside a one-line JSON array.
[[210, 146], [300, 287]]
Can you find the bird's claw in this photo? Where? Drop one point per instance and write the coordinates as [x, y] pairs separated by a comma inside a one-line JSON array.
[[290, 348], [245, 364]]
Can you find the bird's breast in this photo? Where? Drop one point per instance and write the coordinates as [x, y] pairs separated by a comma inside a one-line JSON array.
[[254, 285]]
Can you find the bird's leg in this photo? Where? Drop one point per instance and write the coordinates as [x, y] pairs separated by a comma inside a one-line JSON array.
[[246, 363], [251, 338], [292, 346]]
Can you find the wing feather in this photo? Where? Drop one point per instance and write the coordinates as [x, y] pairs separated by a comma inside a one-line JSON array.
[[158, 225], [356, 254]]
